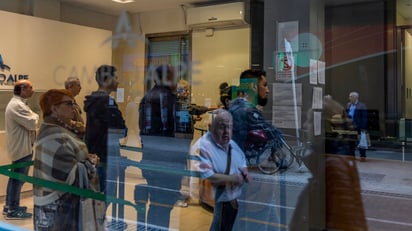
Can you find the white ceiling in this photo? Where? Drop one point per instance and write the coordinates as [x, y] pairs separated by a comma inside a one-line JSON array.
[[113, 8], [107, 6]]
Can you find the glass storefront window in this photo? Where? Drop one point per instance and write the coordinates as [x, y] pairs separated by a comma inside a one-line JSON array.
[[325, 76]]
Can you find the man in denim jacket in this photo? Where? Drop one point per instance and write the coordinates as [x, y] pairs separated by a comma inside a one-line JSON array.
[[247, 117]]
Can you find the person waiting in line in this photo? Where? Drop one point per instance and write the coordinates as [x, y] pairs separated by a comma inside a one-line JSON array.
[[57, 152], [104, 127], [157, 125], [21, 125], [223, 163], [225, 95], [157, 108], [184, 122], [73, 85], [358, 113]]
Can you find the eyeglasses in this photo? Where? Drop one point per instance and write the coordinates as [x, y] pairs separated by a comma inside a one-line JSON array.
[[67, 103]]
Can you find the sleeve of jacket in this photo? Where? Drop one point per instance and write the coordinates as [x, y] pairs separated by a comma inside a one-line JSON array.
[[24, 116], [116, 120], [363, 116], [141, 113], [256, 120]]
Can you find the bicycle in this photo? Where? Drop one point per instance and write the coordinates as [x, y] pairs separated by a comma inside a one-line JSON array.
[[266, 154]]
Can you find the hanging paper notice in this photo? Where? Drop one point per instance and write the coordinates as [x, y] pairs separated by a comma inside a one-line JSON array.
[[321, 72], [317, 118], [120, 95], [313, 72], [317, 99], [284, 116]]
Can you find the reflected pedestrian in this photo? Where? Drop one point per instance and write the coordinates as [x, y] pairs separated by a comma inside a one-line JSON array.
[[358, 113]]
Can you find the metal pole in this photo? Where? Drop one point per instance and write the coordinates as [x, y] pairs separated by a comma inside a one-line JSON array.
[[403, 151]]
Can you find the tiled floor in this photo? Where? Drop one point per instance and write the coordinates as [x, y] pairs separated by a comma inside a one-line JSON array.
[[194, 217]]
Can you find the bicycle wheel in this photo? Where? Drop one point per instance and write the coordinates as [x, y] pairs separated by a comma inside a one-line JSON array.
[[281, 158]]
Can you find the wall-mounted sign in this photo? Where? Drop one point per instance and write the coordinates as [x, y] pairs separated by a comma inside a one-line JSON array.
[[8, 78]]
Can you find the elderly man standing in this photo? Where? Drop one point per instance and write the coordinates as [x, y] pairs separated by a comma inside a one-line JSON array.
[[359, 114], [223, 163], [73, 85], [21, 124]]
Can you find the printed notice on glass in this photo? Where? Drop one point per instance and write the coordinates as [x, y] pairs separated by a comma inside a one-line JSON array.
[[321, 72], [284, 116], [313, 71], [120, 95], [317, 118], [317, 99], [283, 94]]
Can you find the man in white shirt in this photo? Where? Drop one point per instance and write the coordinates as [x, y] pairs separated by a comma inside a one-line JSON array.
[[223, 163], [21, 125]]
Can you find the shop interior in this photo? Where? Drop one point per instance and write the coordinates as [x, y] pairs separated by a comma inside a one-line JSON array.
[[48, 40]]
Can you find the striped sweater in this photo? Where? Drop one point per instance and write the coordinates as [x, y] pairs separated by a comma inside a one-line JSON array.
[[57, 151]]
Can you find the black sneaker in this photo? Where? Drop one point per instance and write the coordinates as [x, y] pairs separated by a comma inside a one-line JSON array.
[[18, 215], [6, 209]]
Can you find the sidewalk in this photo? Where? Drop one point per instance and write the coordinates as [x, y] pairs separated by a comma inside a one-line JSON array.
[[386, 176], [377, 175]]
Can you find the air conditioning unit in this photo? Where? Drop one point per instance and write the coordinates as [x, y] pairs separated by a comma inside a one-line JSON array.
[[216, 16]]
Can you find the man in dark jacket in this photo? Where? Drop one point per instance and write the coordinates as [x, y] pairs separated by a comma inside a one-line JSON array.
[[247, 117], [358, 113], [104, 126], [160, 148], [157, 108]]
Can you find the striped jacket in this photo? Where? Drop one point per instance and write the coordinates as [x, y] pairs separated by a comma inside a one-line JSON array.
[[57, 151]]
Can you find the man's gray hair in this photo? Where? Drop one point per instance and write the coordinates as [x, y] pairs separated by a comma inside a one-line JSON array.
[[219, 113], [354, 93], [70, 80]]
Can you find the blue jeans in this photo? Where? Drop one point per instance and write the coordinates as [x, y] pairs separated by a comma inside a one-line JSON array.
[[14, 186], [163, 192], [109, 172]]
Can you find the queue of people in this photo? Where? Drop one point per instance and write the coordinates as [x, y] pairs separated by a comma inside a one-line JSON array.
[[64, 141]]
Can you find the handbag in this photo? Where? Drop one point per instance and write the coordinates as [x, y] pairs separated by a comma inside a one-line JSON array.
[[91, 212], [364, 140]]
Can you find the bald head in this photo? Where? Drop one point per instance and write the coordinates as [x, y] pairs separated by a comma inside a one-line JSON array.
[[23, 88]]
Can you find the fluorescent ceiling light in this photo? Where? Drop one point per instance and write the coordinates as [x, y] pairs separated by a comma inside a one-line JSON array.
[[123, 1]]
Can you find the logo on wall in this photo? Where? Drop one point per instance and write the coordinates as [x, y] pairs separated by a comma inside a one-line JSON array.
[[124, 32], [3, 66], [9, 79]]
